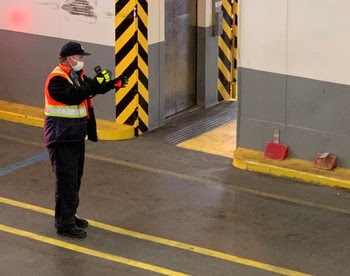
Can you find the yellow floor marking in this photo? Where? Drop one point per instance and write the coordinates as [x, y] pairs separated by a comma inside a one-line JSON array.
[[166, 242], [219, 141], [27, 206], [88, 251]]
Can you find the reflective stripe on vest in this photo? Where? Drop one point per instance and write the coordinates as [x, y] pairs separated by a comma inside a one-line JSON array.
[[72, 111], [65, 111]]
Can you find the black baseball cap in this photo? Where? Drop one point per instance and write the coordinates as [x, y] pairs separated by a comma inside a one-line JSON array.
[[73, 48]]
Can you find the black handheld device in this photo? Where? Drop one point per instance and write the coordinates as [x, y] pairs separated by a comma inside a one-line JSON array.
[[98, 69]]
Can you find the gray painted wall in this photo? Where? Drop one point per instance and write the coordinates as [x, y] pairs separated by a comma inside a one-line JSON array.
[[156, 85], [207, 67], [27, 60], [312, 115]]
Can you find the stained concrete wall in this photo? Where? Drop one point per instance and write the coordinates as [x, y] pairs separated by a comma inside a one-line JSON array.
[[30, 50], [32, 33], [293, 75], [24, 70]]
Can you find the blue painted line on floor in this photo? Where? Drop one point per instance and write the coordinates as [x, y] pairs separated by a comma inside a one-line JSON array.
[[24, 163]]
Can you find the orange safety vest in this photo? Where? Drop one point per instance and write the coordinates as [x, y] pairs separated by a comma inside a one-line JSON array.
[[58, 109]]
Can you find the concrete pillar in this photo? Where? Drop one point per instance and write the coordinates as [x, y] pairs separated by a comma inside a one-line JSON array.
[[156, 62], [207, 57]]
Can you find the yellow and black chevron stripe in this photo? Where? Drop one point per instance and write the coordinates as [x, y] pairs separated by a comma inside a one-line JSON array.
[[235, 49], [142, 37], [131, 57], [225, 53]]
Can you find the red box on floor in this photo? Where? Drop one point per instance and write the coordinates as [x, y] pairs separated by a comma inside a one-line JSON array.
[[325, 161], [276, 151]]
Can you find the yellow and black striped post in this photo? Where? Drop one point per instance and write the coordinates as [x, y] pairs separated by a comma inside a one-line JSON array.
[[131, 57], [225, 53], [235, 49], [142, 37]]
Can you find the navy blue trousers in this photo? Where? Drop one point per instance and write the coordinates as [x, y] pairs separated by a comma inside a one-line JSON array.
[[67, 159]]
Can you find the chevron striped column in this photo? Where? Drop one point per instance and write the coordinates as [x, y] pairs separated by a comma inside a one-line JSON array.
[[142, 37], [225, 53], [131, 57], [235, 49]]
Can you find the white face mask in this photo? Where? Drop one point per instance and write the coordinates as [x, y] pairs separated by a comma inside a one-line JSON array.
[[78, 66]]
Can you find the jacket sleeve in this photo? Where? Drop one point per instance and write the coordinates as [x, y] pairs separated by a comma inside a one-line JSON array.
[[62, 91], [102, 88]]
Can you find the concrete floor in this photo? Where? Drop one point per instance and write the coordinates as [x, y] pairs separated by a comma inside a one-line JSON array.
[[253, 224]]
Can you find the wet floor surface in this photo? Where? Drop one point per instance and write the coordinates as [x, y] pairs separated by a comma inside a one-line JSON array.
[[164, 209]]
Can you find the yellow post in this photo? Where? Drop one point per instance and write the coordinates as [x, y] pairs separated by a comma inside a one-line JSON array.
[[131, 49], [225, 53], [142, 61], [126, 62]]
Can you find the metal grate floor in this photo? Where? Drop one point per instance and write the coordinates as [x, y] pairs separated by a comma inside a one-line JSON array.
[[201, 126]]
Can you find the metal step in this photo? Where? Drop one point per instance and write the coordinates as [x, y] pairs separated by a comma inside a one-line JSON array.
[[201, 126]]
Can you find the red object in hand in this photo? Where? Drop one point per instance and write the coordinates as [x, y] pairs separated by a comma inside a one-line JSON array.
[[118, 84], [276, 151]]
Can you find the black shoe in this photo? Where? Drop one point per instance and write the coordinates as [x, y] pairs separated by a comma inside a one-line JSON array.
[[80, 222], [72, 232]]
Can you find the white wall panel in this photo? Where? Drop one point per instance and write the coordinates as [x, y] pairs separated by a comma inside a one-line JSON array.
[[156, 21], [204, 13], [319, 40], [54, 18], [263, 35]]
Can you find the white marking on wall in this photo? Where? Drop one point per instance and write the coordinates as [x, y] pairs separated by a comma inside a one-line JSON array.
[[319, 40], [83, 20], [204, 13], [305, 38], [156, 23], [263, 35]]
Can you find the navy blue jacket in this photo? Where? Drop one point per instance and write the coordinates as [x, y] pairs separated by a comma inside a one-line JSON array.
[[58, 129]]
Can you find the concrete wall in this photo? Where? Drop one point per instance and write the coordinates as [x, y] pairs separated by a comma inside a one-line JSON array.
[[31, 35], [293, 75], [30, 50], [156, 62]]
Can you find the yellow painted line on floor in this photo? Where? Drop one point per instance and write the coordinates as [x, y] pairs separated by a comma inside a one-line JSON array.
[[27, 206], [219, 141], [166, 242], [88, 251], [200, 250]]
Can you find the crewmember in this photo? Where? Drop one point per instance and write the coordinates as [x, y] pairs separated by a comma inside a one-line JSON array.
[[69, 120]]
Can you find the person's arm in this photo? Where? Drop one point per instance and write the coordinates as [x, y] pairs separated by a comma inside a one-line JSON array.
[[62, 91], [106, 86]]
